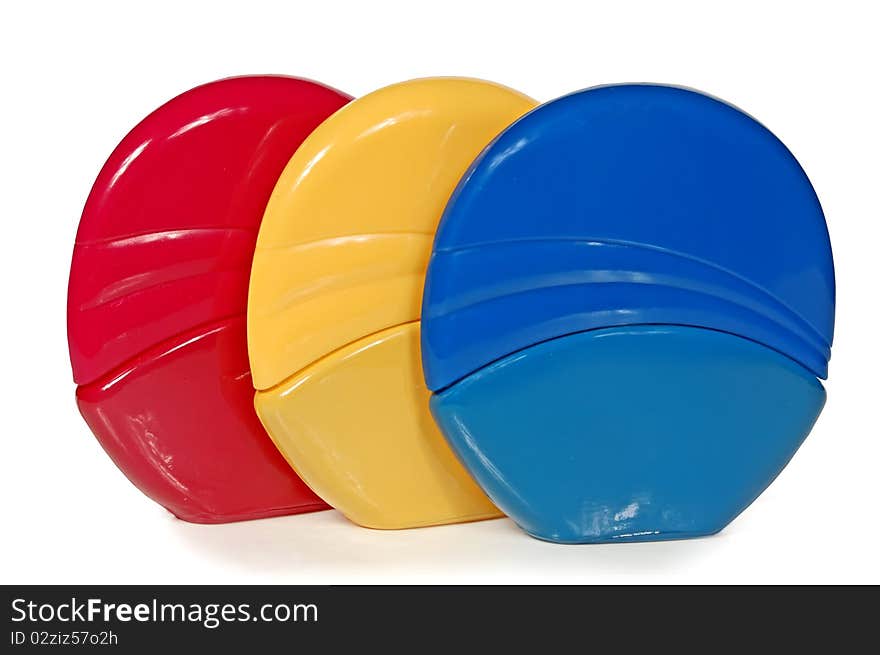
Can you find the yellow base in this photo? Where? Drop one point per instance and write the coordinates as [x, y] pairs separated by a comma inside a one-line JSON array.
[[355, 425]]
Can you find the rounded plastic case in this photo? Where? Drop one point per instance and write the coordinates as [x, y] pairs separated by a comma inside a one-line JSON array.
[[628, 304], [157, 293], [335, 296]]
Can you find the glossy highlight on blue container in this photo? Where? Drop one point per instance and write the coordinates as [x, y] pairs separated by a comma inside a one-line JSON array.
[[628, 305]]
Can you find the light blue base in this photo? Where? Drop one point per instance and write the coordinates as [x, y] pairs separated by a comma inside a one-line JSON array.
[[630, 434]]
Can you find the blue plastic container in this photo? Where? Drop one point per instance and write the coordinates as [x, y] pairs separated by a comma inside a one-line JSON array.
[[628, 305]]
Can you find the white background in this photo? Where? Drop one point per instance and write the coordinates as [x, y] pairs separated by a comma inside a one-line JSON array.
[[76, 76]]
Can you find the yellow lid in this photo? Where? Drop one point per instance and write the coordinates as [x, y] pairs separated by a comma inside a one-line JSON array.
[[347, 233]]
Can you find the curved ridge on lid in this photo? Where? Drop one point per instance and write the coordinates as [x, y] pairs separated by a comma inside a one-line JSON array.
[[623, 205], [345, 240], [168, 230]]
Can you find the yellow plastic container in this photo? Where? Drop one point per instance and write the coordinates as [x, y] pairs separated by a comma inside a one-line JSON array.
[[335, 297]]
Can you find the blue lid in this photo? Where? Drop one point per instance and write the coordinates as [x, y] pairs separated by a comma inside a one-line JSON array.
[[625, 205]]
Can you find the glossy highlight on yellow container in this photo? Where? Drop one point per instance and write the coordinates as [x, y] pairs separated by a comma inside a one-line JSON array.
[[335, 298]]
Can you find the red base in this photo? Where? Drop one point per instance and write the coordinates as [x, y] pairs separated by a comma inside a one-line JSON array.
[[180, 424]]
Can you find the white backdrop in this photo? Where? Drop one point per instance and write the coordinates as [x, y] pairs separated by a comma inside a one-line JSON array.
[[76, 76]]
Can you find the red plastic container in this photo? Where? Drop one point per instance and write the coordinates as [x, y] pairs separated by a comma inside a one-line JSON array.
[[158, 290]]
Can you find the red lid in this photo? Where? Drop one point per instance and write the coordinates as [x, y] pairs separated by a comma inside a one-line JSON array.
[[168, 231]]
